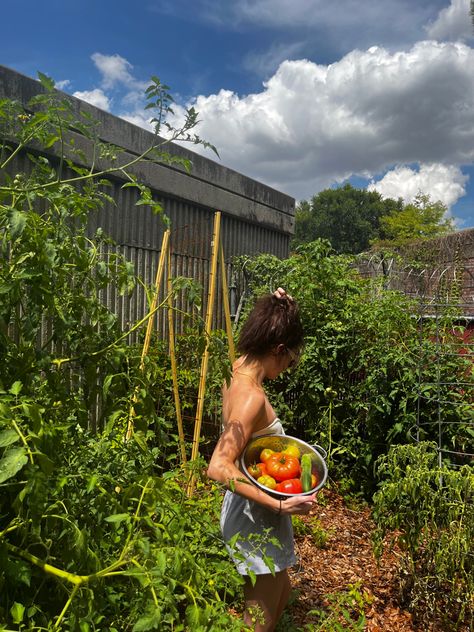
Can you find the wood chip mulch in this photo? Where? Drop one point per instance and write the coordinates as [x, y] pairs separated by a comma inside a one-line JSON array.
[[347, 558]]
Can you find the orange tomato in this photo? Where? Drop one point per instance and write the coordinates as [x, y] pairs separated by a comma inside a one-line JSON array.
[[254, 470], [283, 466]]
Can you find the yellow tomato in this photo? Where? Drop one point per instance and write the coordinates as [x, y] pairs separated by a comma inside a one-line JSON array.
[[292, 450], [267, 481], [265, 454]]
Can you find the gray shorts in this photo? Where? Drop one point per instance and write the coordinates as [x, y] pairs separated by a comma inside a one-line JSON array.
[[255, 526]]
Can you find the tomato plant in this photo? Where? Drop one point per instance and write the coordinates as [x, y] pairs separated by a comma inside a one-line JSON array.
[[96, 533], [283, 466]]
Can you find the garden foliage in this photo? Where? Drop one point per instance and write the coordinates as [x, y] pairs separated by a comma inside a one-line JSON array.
[[99, 534], [95, 533], [356, 390], [428, 510]]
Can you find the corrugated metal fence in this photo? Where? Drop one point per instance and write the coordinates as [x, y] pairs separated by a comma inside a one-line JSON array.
[[255, 218]]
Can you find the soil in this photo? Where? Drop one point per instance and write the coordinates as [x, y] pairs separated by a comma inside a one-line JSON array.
[[347, 558]]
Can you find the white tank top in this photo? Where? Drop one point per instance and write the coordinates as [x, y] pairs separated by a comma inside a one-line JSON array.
[[275, 428]]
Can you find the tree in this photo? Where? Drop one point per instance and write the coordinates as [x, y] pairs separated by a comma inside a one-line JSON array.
[[422, 219], [348, 217]]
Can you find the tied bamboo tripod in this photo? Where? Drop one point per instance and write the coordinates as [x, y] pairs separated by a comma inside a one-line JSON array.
[[216, 258]]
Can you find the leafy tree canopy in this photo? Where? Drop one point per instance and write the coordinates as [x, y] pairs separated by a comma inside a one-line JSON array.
[[348, 217], [354, 219], [422, 219]]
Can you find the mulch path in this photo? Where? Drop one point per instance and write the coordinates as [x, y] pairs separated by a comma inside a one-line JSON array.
[[347, 558]]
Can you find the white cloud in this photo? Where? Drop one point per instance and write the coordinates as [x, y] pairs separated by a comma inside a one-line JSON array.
[[444, 183], [453, 23], [314, 125], [95, 97], [116, 70], [118, 79], [62, 85]]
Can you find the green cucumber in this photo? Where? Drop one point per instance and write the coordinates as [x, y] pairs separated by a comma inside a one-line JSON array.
[[306, 467]]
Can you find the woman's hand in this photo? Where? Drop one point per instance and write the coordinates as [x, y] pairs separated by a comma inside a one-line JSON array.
[[281, 293], [297, 505]]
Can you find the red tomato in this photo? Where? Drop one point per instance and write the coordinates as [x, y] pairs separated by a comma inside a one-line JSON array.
[[290, 486], [263, 468], [283, 466]]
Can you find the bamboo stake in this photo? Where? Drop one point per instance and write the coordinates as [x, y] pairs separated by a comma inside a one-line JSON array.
[[174, 369], [159, 277], [205, 356], [149, 328], [225, 292]]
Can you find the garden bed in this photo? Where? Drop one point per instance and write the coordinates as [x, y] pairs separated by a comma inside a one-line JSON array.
[[347, 558]]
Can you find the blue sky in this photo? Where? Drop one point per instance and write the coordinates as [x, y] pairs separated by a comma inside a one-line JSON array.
[[299, 94]]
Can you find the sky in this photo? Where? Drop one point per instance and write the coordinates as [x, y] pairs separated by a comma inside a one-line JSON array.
[[301, 95]]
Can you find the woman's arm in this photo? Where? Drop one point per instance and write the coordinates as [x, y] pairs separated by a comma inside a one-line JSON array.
[[248, 407]]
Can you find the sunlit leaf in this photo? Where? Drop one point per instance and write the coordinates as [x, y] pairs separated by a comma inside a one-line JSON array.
[[12, 462]]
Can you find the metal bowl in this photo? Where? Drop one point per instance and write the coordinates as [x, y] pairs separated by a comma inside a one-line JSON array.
[[277, 443]]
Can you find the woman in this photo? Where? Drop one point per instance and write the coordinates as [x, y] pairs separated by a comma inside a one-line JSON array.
[[269, 343]]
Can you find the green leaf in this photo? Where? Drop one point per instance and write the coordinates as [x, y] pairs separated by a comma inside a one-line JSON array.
[[17, 223], [148, 622], [92, 483], [16, 571], [17, 611], [16, 388], [160, 562], [193, 617], [7, 437], [116, 518], [46, 81], [45, 463], [11, 463], [33, 412]]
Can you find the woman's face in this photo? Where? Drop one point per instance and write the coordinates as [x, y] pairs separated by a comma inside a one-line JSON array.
[[283, 358]]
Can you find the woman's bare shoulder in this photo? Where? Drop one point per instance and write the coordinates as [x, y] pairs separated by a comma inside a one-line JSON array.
[[244, 402]]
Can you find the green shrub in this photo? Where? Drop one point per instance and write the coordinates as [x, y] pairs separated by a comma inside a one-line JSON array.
[[429, 511], [345, 611]]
